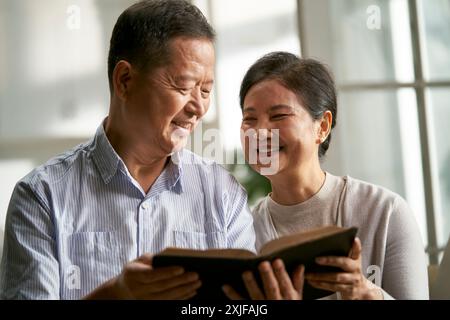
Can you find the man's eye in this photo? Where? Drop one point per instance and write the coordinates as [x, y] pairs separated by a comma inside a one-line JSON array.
[[249, 119], [205, 93], [184, 90]]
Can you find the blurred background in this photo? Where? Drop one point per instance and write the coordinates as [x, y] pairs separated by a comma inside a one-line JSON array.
[[391, 61]]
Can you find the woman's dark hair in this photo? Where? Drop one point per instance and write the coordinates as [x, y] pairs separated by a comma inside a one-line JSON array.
[[143, 31], [309, 79]]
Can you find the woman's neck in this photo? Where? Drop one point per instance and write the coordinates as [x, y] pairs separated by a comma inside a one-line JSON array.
[[294, 187]]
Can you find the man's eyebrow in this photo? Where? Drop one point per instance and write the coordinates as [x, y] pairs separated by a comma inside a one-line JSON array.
[[248, 109], [191, 78]]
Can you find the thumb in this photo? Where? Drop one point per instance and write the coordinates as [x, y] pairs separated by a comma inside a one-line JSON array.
[[355, 252]]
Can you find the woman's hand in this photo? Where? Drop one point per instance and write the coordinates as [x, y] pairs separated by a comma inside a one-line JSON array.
[[351, 283], [276, 282]]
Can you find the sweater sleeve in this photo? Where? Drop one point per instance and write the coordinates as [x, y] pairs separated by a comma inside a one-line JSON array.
[[405, 267]]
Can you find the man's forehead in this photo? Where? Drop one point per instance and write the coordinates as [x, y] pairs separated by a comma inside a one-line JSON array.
[[183, 45]]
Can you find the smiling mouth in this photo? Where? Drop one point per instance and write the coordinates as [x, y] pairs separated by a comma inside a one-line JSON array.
[[183, 125]]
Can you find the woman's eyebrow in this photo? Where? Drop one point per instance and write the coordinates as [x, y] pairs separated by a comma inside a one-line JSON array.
[[280, 106], [271, 109], [249, 109]]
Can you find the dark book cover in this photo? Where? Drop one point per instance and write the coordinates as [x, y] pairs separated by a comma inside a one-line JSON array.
[[217, 267]]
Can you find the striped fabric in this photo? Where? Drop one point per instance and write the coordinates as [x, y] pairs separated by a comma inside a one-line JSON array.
[[74, 222]]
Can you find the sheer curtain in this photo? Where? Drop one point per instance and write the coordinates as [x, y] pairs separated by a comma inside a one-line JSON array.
[[53, 82]]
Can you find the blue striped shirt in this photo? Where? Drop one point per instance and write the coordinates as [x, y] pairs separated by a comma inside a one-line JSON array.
[[74, 222]]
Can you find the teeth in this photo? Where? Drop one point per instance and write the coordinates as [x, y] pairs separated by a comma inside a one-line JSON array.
[[183, 125]]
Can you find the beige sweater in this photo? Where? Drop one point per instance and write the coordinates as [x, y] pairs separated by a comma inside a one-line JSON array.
[[393, 255]]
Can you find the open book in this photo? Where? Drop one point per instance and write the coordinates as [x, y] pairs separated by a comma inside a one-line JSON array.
[[217, 267]]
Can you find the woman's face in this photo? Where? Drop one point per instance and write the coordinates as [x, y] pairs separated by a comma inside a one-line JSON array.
[[273, 111]]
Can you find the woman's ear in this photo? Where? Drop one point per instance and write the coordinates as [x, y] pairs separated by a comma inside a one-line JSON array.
[[324, 128], [122, 76]]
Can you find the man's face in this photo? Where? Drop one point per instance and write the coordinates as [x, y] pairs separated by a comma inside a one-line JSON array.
[[164, 105]]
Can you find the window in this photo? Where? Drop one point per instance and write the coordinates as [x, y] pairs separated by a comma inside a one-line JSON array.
[[438, 101], [435, 44], [392, 67], [52, 94], [435, 15]]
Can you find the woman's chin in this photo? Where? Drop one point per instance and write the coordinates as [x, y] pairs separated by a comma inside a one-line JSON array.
[[267, 170]]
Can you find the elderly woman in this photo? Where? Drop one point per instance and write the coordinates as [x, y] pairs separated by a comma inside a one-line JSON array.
[[293, 100]]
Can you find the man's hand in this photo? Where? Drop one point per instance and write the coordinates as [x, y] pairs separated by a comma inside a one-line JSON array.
[[139, 280], [351, 282], [276, 282]]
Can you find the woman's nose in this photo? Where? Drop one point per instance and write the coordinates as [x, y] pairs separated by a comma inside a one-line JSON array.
[[266, 133]]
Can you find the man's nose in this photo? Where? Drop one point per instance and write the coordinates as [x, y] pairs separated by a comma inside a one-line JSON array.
[[197, 104]]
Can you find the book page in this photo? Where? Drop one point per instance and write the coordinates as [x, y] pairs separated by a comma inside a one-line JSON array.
[[210, 253], [295, 239]]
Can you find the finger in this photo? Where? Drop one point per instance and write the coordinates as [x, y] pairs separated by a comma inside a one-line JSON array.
[[146, 258], [270, 283], [166, 284], [231, 293], [252, 287], [284, 281], [181, 291], [136, 268], [143, 273], [335, 277], [178, 292], [355, 252], [298, 279], [331, 286], [160, 274], [345, 263]]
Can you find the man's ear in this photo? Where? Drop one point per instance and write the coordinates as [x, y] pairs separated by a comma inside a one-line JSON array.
[[122, 76], [324, 127]]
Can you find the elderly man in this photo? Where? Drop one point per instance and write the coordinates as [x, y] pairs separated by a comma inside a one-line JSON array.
[[86, 223]]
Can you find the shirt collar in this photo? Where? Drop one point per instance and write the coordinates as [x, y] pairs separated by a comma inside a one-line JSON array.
[[170, 178], [174, 171], [104, 155]]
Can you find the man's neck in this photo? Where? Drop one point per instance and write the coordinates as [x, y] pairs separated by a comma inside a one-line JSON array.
[[144, 166], [290, 188]]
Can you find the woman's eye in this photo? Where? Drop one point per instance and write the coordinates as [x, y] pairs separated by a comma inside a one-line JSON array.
[[279, 116]]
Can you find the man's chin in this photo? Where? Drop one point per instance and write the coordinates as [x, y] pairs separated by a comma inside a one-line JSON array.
[[178, 146], [178, 140]]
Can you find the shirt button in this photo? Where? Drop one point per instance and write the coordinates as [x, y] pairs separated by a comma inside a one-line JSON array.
[[145, 206]]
